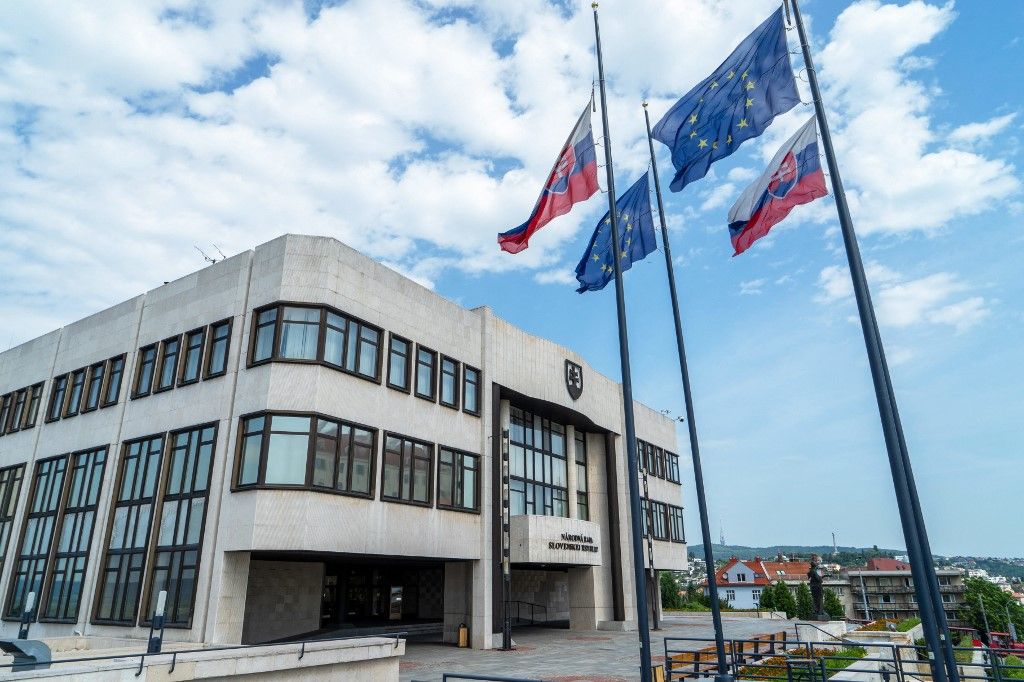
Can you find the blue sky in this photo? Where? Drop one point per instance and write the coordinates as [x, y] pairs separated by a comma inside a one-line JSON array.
[[416, 132]]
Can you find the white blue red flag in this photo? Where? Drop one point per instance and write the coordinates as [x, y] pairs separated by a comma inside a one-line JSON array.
[[793, 177], [572, 180]]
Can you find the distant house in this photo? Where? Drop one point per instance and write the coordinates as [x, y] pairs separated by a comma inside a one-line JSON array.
[[884, 588], [741, 581]]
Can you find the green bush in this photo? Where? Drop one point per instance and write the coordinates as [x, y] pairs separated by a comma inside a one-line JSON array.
[[804, 602], [833, 605]]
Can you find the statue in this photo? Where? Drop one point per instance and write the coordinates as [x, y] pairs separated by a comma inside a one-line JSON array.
[[817, 576]]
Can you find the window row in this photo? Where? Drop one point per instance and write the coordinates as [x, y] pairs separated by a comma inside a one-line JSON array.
[[19, 409], [538, 480], [658, 461], [316, 452], [662, 521], [86, 389], [183, 359], [433, 377]]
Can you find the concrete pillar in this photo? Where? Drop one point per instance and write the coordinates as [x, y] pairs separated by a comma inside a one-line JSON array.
[[583, 598], [458, 599], [228, 608], [570, 461]]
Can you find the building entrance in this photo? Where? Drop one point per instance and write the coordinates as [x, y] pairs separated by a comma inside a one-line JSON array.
[[368, 595]]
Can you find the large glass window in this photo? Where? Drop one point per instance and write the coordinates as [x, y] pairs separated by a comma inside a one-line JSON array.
[[317, 334], [182, 519], [470, 390], [144, 373], [399, 350], [655, 519], [10, 489], [672, 474], [17, 411], [58, 392], [77, 383], [537, 465], [306, 450], [35, 396], [426, 371], [449, 389], [120, 576], [457, 479], [407, 471], [169, 351], [582, 488], [675, 523], [74, 534], [37, 533], [6, 402], [191, 363], [93, 387], [217, 357], [114, 376]]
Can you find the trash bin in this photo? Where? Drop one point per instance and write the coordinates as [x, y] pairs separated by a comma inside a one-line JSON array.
[[463, 636]]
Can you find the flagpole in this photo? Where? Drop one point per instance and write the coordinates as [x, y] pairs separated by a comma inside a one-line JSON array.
[[639, 574], [691, 423], [922, 568]]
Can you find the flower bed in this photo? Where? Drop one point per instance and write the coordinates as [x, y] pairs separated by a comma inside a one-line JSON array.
[[775, 667]]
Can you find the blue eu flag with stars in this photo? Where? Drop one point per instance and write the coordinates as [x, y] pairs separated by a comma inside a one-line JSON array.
[[735, 103], [636, 239]]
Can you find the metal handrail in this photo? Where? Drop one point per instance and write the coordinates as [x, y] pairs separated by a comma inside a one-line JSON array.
[[397, 636], [533, 610]]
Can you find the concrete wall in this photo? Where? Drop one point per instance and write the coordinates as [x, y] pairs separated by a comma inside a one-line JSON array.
[[283, 600], [549, 589]]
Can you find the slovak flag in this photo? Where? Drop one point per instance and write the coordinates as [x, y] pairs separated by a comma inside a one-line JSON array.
[[572, 180], [793, 177]]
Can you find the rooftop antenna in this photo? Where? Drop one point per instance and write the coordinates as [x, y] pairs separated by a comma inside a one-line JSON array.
[[721, 534], [835, 549], [222, 256], [208, 259]]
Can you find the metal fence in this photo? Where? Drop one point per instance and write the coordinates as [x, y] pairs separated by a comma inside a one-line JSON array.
[[778, 658], [461, 677]]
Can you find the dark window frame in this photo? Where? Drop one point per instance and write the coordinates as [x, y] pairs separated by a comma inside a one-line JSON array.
[[431, 469], [466, 371], [261, 470], [69, 410], [35, 399], [60, 383], [675, 514], [19, 403], [106, 400], [432, 396], [652, 510], [6, 408], [12, 479], [527, 485], [90, 379], [138, 391], [582, 468], [410, 348], [456, 377], [208, 371], [185, 350], [161, 363], [672, 474], [319, 359], [458, 479]]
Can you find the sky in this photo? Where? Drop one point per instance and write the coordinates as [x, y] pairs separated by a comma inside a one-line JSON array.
[[133, 132]]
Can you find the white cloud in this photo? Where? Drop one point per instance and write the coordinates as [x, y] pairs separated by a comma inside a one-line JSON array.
[[740, 174], [752, 287], [717, 196], [973, 133], [556, 276]]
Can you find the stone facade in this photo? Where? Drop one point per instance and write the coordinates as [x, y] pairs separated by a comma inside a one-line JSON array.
[[267, 549]]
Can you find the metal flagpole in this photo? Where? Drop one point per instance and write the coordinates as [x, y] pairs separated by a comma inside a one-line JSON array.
[[698, 475], [923, 572], [639, 574]]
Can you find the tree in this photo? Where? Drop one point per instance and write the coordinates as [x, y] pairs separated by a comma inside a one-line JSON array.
[[804, 602], [997, 602], [784, 600], [671, 591], [833, 605], [767, 601]]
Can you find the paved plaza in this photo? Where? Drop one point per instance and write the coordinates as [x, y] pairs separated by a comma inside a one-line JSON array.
[[573, 655]]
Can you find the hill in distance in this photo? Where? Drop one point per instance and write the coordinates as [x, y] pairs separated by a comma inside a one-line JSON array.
[[846, 555]]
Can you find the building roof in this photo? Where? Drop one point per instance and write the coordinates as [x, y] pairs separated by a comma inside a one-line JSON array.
[[886, 564], [765, 572]]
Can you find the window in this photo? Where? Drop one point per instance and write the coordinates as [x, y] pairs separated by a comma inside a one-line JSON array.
[[675, 523], [35, 396], [74, 534], [10, 489], [756, 596], [179, 535], [741, 577], [120, 576], [114, 375], [398, 363], [342, 457], [5, 411], [37, 533], [673, 467], [217, 356], [943, 580], [457, 479], [93, 387], [658, 524], [947, 599], [470, 390], [730, 595], [885, 598], [191, 362], [407, 471], [168, 363], [537, 466], [76, 384], [144, 373], [17, 411], [426, 367], [317, 334], [582, 500], [306, 450], [449, 393], [57, 394]]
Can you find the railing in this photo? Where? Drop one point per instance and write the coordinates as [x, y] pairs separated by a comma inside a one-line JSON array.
[[173, 655], [445, 677], [773, 658], [533, 611]]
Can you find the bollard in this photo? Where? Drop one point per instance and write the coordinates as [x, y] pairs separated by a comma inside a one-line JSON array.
[[26, 615], [156, 628]]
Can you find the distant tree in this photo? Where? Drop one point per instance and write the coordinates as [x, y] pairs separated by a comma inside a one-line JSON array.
[[767, 601], [804, 602], [997, 602], [833, 605], [671, 591], [784, 600]]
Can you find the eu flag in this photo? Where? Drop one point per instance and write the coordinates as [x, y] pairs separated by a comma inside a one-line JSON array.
[[735, 103], [636, 238]]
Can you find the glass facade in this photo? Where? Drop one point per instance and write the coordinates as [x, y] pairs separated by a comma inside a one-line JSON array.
[[537, 465]]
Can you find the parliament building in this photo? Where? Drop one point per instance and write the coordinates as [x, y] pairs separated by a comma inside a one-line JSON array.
[[298, 441]]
